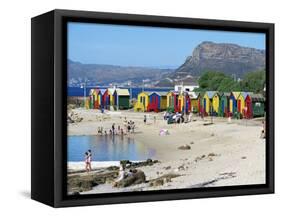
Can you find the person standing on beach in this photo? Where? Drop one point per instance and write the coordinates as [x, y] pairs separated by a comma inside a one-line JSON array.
[[144, 119], [88, 160], [113, 128]]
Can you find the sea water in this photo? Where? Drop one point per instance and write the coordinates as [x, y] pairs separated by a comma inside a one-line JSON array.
[[107, 148]]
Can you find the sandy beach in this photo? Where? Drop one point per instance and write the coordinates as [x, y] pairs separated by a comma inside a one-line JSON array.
[[220, 154]]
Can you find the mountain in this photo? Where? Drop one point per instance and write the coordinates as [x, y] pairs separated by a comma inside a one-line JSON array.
[[98, 74], [222, 57]]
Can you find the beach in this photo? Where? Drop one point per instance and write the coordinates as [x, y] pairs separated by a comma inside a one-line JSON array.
[[201, 153]]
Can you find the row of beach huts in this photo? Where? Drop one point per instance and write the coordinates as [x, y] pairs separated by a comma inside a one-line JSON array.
[[238, 104]]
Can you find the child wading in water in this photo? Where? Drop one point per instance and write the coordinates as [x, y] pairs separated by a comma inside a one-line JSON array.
[[88, 159]]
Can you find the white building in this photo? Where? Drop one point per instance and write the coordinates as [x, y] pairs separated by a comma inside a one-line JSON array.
[[181, 87]]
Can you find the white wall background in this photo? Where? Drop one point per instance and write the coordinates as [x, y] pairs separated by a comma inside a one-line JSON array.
[[15, 106]]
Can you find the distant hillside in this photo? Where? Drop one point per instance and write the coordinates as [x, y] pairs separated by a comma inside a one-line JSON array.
[[222, 57], [98, 74], [207, 56]]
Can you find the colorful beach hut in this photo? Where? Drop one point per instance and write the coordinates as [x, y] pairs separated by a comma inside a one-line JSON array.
[[142, 101], [233, 102], [211, 102], [121, 98], [201, 103], [95, 98], [110, 92], [224, 104], [91, 99], [194, 101], [163, 100], [157, 101], [153, 102], [106, 99], [254, 105], [172, 101], [184, 103], [241, 103], [100, 97]]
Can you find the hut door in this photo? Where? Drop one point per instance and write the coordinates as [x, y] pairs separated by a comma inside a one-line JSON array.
[[204, 104], [222, 107], [156, 101], [231, 105], [239, 105]]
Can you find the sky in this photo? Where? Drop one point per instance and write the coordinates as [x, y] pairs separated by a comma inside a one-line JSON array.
[[145, 46]]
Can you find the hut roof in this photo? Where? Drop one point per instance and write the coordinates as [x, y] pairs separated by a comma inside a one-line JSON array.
[[91, 91], [211, 94], [245, 94], [111, 90], [122, 92], [193, 95], [161, 93], [235, 94], [227, 94], [257, 97], [102, 91], [146, 92]]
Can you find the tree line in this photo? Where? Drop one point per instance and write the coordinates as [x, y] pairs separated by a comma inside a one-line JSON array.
[[219, 81]]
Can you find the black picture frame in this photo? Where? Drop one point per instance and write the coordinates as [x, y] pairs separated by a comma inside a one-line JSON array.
[[48, 108]]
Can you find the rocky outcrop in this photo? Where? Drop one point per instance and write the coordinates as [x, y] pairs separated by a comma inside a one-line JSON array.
[[136, 177], [222, 57]]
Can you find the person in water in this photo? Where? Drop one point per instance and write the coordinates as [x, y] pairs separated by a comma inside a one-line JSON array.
[[88, 160]]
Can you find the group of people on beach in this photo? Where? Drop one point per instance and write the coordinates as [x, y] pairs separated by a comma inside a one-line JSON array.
[[129, 127]]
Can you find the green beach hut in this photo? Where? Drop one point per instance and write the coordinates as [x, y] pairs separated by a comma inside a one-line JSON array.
[[122, 98], [224, 104]]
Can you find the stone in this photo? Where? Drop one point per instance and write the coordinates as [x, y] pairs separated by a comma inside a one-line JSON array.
[[184, 147], [137, 177]]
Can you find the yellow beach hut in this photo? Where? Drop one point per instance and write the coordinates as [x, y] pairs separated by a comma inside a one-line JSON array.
[[233, 102], [163, 100], [216, 103], [142, 102], [194, 101], [94, 93], [211, 102], [241, 102], [170, 99], [110, 94]]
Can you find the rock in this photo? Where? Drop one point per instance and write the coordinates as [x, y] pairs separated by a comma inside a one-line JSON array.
[[222, 57], [212, 134], [181, 168], [113, 168], [184, 147], [191, 142], [81, 182], [128, 164], [199, 158], [167, 168], [212, 154], [157, 182], [162, 179], [244, 157], [137, 177]]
